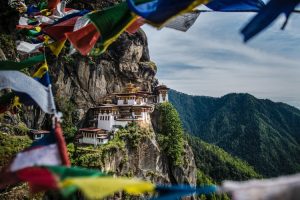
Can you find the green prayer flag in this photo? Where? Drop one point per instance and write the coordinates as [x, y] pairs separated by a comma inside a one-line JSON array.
[[70, 172], [67, 172], [12, 65], [111, 22]]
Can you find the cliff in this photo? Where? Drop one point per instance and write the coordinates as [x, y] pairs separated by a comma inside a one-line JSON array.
[[134, 151], [83, 82]]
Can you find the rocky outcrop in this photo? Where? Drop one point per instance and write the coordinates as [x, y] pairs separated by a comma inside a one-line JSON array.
[[146, 160]]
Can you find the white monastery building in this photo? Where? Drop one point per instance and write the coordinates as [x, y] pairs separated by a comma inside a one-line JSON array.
[[119, 109]]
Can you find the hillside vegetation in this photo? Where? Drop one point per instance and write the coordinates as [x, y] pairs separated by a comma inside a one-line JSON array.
[[219, 165], [261, 132]]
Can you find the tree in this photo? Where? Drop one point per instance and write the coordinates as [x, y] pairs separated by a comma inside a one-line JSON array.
[[170, 133]]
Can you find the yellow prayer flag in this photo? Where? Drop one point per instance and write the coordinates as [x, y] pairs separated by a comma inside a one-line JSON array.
[[41, 71], [101, 187], [38, 29], [56, 47]]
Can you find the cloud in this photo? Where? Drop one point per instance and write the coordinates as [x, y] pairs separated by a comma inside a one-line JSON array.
[[210, 59]]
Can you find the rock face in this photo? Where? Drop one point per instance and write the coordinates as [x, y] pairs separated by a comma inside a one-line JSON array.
[[85, 81], [147, 161]]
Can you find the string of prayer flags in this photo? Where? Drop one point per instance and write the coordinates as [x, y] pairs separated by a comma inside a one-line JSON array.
[[183, 22], [101, 187], [49, 150], [45, 178], [179, 191], [111, 22], [267, 15], [84, 39], [29, 62], [236, 5], [20, 82], [160, 11]]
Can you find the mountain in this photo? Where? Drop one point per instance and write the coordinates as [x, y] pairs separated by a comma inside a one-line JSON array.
[[261, 132], [219, 165]]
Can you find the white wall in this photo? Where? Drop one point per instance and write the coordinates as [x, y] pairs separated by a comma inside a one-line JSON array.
[[93, 141], [104, 123], [160, 99], [120, 102], [121, 123], [86, 140], [131, 102]]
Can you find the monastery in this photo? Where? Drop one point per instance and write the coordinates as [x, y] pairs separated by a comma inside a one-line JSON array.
[[119, 109]]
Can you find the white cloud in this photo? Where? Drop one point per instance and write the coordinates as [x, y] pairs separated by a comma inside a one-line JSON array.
[[210, 59]]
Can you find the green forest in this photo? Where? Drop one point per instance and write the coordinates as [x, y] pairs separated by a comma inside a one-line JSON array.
[[261, 132]]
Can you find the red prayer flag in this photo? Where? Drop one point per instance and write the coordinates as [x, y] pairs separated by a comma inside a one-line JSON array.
[[57, 31], [84, 39], [20, 27], [134, 27], [52, 3], [39, 179], [61, 143]]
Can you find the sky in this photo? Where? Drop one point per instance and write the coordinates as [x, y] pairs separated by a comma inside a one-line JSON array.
[[210, 59]]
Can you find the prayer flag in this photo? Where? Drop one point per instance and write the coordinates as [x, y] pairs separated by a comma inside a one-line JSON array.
[[42, 76], [183, 22], [136, 25], [81, 22], [84, 39], [57, 31], [49, 150], [159, 12], [282, 187], [52, 3], [178, 191], [111, 23], [267, 15], [57, 46], [100, 187], [71, 15], [236, 5], [12, 65], [21, 83], [23, 21], [26, 47]]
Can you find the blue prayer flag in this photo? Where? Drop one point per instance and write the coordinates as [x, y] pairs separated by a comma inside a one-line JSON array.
[[236, 5], [157, 12], [267, 15], [179, 191]]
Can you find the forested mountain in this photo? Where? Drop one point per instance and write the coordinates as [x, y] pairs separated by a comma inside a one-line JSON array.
[[219, 165], [261, 132]]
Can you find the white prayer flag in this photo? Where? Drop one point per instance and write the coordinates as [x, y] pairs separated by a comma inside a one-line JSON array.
[[20, 82], [183, 22], [26, 47]]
